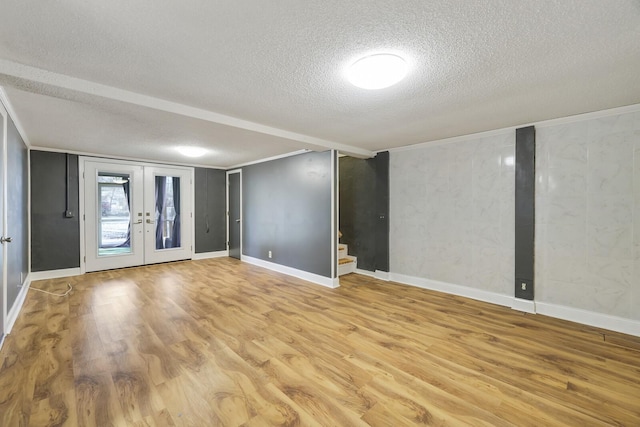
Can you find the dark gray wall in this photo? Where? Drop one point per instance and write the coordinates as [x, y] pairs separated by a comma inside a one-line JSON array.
[[55, 240], [210, 210], [17, 213], [525, 211], [287, 210], [364, 210]]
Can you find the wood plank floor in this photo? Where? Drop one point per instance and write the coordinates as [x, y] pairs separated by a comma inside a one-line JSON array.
[[222, 343]]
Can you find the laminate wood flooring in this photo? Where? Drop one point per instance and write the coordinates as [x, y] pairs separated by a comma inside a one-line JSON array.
[[223, 343]]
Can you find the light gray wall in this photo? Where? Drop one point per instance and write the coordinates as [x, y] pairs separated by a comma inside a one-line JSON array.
[[452, 213], [287, 210], [17, 213], [588, 215]]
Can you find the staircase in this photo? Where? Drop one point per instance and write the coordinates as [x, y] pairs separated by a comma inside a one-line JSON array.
[[346, 263]]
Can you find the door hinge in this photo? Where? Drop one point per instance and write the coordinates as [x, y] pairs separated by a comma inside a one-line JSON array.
[[82, 175], [85, 259], [227, 213], [227, 245]]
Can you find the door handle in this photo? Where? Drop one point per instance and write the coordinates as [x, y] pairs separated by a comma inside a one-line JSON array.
[[138, 222], [5, 239], [237, 220], [150, 222]]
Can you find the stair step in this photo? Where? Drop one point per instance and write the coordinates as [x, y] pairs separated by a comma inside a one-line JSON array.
[[344, 261]]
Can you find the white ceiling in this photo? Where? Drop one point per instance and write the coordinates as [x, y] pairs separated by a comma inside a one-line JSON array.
[[253, 79]]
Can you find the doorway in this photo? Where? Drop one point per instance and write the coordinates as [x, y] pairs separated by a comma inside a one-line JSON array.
[[3, 221], [135, 214], [234, 213]]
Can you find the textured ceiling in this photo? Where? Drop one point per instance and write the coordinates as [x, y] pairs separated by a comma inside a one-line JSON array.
[[266, 78]]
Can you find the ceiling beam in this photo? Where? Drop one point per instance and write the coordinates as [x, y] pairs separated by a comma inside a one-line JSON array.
[[10, 71]]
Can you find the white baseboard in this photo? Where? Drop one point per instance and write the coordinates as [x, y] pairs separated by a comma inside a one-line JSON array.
[[378, 274], [14, 311], [449, 288], [524, 305], [207, 255], [54, 274], [382, 275], [366, 273], [604, 321], [598, 320], [304, 275]]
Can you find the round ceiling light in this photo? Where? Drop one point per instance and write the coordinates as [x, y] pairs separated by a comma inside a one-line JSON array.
[[191, 151], [377, 71]]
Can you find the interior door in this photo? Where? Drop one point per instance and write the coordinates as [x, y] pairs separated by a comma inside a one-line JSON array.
[[168, 214], [234, 184], [3, 221], [113, 202]]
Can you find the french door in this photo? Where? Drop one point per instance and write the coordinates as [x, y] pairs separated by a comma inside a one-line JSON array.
[[135, 214]]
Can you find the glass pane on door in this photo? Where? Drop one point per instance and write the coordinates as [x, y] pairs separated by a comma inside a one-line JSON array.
[[168, 221], [114, 214]]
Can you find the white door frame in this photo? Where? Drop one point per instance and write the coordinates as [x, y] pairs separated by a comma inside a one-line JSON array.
[[3, 221], [152, 255], [81, 208], [88, 211], [239, 171]]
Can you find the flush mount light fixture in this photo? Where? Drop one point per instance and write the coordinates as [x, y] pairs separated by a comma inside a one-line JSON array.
[[377, 71], [191, 151]]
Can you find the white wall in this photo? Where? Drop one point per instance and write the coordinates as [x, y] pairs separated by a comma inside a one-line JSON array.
[[452, 215], [588, 215]]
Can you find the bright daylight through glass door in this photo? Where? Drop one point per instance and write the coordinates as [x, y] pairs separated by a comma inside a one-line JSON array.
[[168, 233], [114, 228], [135, 214]]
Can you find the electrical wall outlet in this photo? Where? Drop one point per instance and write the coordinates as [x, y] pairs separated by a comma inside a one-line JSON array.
[[523, 286], [270, 255]]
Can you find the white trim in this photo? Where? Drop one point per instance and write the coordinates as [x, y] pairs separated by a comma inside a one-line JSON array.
[[28, 211], [114, 159], [304, 275], [524, 305], [12, 316], [366, 273], [239, 171], [129, 162], [33, 74], [542, 124], [207, 255], [2, 336], [598, 320], [378, 274], [4, 116], [334, 212], [449, 288], [4, 98], [81, 213], [382, 275], [586, 116], [454, 139], [54, 274], [268, 159]]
